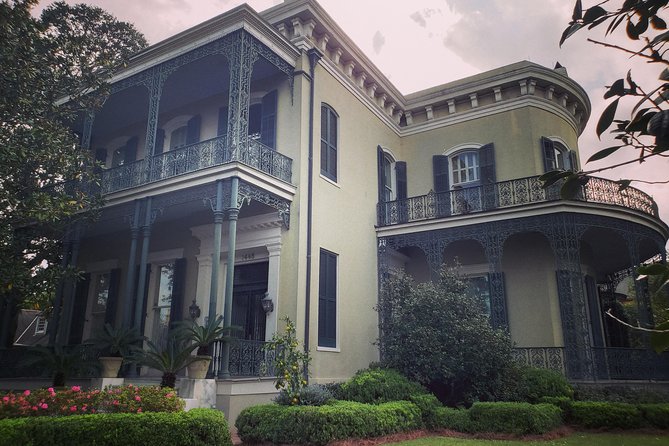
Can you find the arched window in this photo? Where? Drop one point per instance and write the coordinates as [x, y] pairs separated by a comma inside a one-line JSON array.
[[465, 169], [557, 155], [329, 136]]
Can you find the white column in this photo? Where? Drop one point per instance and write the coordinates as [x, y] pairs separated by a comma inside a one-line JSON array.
[[203, 284], [273, 276]]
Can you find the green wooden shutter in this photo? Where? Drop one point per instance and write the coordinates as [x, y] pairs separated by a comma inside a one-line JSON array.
[[401, 176], [79, 310], [488, 176], [327, 300], [193, 130], [178, 290], [440, 173], [573, 161], [131, 150], [548, 152], [112, 296], [268, 120], [381, 173], [160, 142]]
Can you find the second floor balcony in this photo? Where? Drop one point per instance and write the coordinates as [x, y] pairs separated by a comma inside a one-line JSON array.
[[507, 194], [195, 157]]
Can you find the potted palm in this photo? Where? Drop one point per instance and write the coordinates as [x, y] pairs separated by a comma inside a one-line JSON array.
[[201, 337], [115, 344], [169, 360]]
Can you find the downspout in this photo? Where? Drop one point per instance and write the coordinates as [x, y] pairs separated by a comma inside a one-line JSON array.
[[314, 56]]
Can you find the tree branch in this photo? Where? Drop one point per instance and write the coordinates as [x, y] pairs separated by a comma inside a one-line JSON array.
[[635, 327], [625, 50]]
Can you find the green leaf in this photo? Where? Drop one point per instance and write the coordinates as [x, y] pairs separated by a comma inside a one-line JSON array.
[[607, 117], [632, 31], [552, 177], [593, 13], [571, 187], [578, 11], [654, 269], [660, 340], [571, 29], [623, 184], [640, 121], [617, 89], [603, 153]]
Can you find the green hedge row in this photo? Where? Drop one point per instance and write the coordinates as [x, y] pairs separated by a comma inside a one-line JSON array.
[[611, 415], [512, 418], [323, 424], [198, 427]]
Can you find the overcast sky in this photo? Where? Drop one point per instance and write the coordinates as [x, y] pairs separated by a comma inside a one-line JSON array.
[[422, 43]]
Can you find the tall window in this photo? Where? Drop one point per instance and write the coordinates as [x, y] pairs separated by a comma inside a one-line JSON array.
[[388, 174], [327, 300], [100, 298], [465, 168], [178, 137], [329, 124], [163, 304], [557, 156]]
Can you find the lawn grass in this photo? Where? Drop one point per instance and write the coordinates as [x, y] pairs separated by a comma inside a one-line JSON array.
[[575, 439]]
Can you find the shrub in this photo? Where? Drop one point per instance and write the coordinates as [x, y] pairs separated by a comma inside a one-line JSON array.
[[563, 402], [439, 335], [323, 424], [657, 415], [379, 386], [514, 418], [429, 406], [621, 394], [196, 427], [74, 401], [534, 383], [593, 414], [290, 364], [311, 395], [335, 390], [453, 419]]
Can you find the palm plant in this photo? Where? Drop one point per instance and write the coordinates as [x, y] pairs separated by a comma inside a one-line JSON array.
[[117, 342], [169, 360], [61, 362], [202, 336]]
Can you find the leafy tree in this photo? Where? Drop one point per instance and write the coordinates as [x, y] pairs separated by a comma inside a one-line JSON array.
[[646, 130], [439, 335], [55, 69]]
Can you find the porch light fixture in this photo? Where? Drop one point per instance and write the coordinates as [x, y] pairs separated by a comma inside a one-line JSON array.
[[194, 310], [267, 304]]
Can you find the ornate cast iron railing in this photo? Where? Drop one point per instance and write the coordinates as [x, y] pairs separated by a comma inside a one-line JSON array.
[[507, 194], [247, 358], [609, 363], [194, 157]]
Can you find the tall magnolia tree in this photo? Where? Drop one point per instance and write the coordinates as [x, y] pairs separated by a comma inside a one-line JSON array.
[[54, 69]]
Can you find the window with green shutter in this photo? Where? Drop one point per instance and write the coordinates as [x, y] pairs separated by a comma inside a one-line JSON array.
[[327, 300]]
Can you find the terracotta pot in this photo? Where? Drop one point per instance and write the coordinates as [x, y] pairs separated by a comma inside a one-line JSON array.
[[198, 369], [110, 366]]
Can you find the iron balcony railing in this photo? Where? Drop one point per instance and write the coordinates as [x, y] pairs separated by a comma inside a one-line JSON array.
[[193, 157], [248, 358], [505, 194]]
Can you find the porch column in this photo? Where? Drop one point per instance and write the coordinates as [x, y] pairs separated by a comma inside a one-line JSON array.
[[155, 87], [216, 256], [494, 244], [241, 57], [233, 215], [643, 305], [143, 267], [564, 237], [203, 282], [132, 263], [273, 277], [58, 301], [63, 335]]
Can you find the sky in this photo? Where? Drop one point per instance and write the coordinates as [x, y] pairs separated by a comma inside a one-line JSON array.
[[419, 44]]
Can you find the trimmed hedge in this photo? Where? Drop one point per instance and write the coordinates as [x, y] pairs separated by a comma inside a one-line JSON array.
[[322, 424], [594, 414], [429, 405], [534, 384], [514, 418], [375, 386], [656, 415], [453, 419], [201, 427]]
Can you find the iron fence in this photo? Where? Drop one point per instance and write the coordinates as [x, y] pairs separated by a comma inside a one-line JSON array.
[[247, 358], [506, 194]]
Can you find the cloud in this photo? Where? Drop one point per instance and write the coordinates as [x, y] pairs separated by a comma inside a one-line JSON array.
[[378, 41], [418, 18]]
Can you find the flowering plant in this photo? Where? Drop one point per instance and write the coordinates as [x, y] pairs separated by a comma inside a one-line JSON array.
[[74, 401]]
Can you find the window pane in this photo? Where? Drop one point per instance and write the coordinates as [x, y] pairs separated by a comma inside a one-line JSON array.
[[333, 129], [101, 293], [178, 137], [327, 300]]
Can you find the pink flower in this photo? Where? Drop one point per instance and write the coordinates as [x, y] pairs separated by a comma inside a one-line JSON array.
[[115, 402], [51, 391], [26, 393], [44, 406], [138, 398], [83, 408], [5, 399], [76, 388], [34, 408], [139, 410], [92, 410], [169, 395], [73, 409]]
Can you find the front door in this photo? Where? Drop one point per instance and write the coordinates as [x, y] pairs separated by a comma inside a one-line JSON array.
[[249, 289]]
